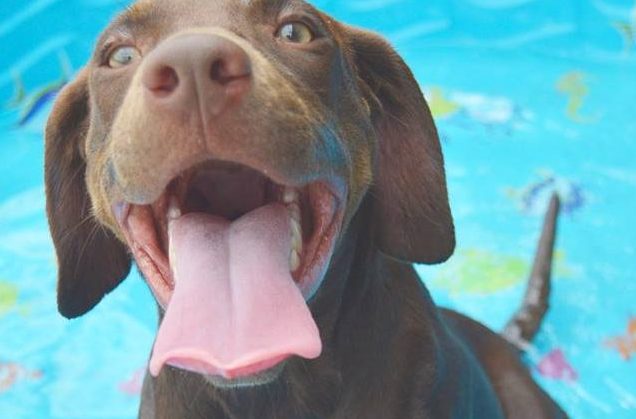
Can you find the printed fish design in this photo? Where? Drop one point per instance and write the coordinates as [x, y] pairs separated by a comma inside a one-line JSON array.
[[481, 272], [627, 29], [626, 344], [532, 199], [628, 32], [441, 107], [39, 100], [11, 373], [475, 110], [574, 86], [133, 385], [32, 104], [556, 366]]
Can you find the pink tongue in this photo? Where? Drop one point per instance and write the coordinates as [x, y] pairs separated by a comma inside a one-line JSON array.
[[236, 310]]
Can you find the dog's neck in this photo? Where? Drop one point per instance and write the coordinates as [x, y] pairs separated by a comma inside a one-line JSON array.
[[356, 305]]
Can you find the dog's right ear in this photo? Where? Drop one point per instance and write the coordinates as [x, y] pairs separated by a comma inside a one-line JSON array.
[[91, 261]]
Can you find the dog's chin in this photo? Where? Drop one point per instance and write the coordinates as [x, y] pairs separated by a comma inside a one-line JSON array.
[[260, 379]]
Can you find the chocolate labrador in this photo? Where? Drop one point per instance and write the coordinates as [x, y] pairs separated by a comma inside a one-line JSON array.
[[273, 173]]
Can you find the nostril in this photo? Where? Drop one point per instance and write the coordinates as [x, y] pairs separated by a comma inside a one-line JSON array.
[[224, 72], [218, 72], [163, 81]]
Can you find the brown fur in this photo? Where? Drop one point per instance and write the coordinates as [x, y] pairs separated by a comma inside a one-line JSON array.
[[346, 107]]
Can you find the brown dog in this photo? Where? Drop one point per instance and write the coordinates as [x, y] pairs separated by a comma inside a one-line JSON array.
[[274, 173]]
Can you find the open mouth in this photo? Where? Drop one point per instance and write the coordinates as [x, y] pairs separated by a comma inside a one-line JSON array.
[[232, 257]]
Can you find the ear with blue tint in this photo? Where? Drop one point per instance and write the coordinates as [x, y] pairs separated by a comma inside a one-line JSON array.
[[412, 214], [91, 261]]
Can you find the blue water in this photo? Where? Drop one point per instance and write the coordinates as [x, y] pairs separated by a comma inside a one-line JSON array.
[[530, 96]]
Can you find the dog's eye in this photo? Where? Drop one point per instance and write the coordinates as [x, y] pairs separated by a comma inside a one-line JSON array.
[[296, 33], [123, 56]]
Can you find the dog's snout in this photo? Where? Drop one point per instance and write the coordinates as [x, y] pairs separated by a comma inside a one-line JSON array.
[[197, 67]]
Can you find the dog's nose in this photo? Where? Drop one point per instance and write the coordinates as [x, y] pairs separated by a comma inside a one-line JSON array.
[[190, 67]]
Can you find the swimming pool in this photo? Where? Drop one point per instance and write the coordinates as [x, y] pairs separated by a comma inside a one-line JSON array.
[[530, 96]]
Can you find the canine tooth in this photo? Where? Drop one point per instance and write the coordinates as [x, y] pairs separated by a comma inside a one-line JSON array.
[[296, 244], [290, 195], [294, 261], [297, 236], [174, 211], [294, 212]]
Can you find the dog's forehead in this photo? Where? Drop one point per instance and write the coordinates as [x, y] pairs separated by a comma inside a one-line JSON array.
[[185, 10], [159, 18]]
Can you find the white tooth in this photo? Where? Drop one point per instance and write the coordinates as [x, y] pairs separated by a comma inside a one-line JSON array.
[[290, 198], [297, 236], [296, 244], [294, 212], [174, 211], [290, 195], [294, 261]]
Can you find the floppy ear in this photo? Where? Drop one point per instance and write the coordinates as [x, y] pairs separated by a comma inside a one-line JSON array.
[[413, 220], [91, 262]]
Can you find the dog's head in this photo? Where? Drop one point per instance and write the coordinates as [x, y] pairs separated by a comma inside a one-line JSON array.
[[227, 145]]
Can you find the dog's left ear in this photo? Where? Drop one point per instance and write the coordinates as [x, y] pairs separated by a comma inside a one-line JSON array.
[[413, 220], [91, 261]]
